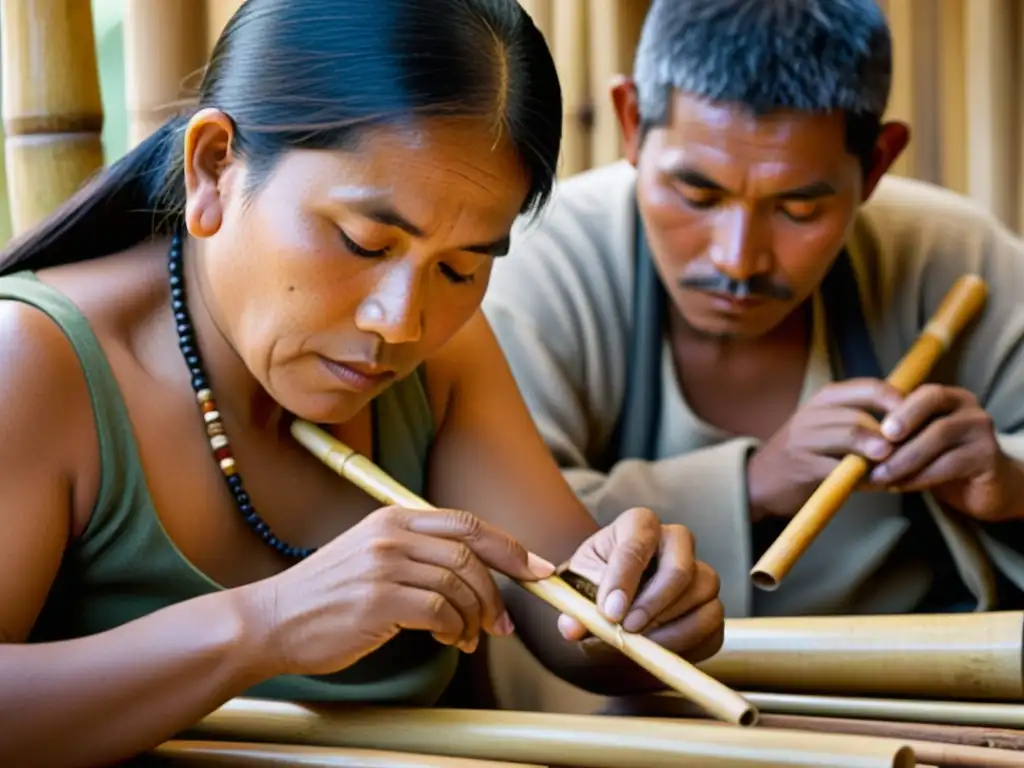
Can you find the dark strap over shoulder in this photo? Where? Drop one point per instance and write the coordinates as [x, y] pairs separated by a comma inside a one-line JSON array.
[[636, 433]]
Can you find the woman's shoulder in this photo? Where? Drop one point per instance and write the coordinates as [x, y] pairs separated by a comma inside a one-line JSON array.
[[45, 405]]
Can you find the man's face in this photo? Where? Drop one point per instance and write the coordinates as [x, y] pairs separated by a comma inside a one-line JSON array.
[[744, 214]]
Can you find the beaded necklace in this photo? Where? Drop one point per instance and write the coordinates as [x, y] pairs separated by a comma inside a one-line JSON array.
[[208, 405]]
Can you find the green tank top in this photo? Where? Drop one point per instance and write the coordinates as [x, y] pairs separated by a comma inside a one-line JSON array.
[[124, 566]]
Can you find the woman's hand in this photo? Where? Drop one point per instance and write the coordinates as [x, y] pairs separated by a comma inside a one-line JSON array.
[[678, 608], [397, 569]]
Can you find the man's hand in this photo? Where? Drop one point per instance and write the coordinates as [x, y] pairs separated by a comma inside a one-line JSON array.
[[937, 439], [946, 443], [678, 608]]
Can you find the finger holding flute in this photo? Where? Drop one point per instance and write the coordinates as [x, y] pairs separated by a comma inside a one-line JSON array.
[[944, 442], [962, 302], [650, 581], [398, 569], [937, 438]]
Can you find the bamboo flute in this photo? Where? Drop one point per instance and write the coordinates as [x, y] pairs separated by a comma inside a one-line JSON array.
[[586, 741], [934, 656], [963, 301], [672, 670], [239, 754]]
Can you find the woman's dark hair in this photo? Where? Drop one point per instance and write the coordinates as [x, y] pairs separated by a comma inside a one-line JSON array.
[[315, 74]]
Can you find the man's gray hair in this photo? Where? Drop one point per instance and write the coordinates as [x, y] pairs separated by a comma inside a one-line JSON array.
[[806, 55]]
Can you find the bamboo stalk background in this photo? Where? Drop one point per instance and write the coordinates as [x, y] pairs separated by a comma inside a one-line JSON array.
[[52, 113], [954, 67]]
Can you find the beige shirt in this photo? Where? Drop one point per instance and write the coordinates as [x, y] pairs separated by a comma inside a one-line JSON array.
[[560, 304]]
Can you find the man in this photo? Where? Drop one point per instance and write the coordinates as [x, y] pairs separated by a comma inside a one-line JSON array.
[[705, 328]]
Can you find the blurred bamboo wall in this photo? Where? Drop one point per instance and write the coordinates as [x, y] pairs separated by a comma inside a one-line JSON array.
[[955, 66]]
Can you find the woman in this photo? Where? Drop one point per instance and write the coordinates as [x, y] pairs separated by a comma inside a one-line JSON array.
[[314, 241]]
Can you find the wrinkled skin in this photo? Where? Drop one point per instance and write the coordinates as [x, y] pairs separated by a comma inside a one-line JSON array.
[[745, 214], [346, 256]]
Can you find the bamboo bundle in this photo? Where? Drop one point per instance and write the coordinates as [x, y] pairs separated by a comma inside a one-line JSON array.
[[52, 114], [565, 740]]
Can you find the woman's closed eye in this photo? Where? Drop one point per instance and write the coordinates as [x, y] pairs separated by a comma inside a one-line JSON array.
[[451, 274], [359, 250]]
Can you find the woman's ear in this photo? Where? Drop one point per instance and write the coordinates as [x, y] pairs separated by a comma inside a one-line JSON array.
[[208, 137]]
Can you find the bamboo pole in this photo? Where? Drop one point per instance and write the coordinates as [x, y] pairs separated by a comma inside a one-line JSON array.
[[962, 656], [571, 52], [952, 95], [988, 27], [52, 113], [962, 735], [614, 31], [218, 13], [164, 46], [974, 713], [211, 754], [542, 13], [565, 740]]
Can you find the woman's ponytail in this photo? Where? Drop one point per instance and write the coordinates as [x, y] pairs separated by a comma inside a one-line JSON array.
[[139, 196]]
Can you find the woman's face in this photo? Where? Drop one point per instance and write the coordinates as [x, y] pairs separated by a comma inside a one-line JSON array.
[[345, 270]]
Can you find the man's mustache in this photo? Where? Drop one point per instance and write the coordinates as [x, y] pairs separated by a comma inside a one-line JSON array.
[[756, 287]]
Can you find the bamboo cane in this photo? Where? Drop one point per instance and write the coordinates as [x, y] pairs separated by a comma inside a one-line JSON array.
[[963, 301], [974, 713], [565, 740], [52, 113], [962, 735], [164, 44], [941, 656], [660, 662], [211, 754]]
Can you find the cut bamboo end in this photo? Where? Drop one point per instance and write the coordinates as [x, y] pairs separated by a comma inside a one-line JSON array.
[[717, 699], [779, 559]]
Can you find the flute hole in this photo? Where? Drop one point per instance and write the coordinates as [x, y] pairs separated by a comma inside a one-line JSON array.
[[764, 581], [749, 718]]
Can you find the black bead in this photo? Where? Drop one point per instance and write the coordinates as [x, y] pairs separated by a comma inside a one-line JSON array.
[[190, 352]]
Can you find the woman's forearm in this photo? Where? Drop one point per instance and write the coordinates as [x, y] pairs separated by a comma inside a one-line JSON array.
[[103, 698]]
